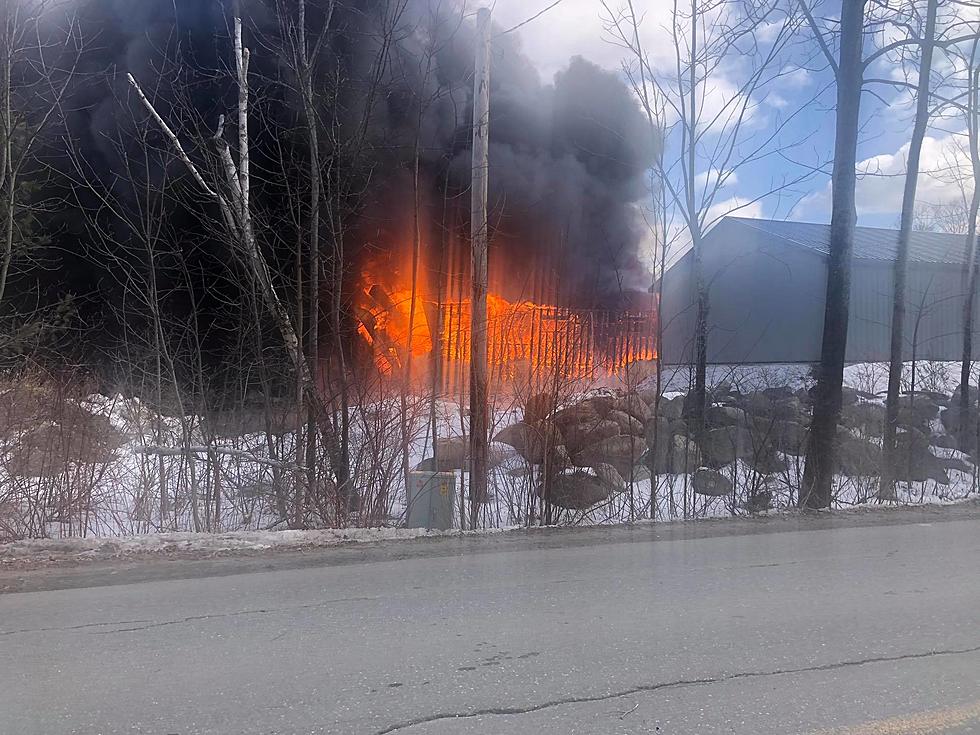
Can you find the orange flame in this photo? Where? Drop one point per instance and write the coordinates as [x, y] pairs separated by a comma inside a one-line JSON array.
[[524, 338]]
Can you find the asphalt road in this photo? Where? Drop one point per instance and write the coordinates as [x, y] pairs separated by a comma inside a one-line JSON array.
[[854, 628]]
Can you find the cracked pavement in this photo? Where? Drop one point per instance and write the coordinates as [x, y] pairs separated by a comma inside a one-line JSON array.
[[797, 628]]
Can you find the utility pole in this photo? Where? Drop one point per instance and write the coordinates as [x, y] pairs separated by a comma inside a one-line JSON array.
[[479, 403]]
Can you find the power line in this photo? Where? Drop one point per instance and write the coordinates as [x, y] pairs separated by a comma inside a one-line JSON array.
[[533, 17]]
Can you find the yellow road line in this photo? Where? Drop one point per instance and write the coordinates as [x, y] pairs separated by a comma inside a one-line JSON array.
[[921, 723]]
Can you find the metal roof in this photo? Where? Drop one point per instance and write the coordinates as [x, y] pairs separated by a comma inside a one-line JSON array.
[[870, 243]]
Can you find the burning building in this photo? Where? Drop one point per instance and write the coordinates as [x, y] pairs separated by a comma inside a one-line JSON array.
[[424, 330]]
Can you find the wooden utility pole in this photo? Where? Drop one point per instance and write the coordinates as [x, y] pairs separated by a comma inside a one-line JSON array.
[[479, 403]]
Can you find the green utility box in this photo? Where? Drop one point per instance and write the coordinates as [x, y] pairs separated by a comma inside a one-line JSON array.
[[431, 499]]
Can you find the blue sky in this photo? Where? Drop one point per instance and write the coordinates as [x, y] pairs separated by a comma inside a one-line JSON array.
[[575, 27]]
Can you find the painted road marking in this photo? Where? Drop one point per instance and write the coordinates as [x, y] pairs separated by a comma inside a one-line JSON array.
[[921, 723]]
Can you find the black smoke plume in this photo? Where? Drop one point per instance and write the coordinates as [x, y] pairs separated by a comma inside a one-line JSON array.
[[568, 156]]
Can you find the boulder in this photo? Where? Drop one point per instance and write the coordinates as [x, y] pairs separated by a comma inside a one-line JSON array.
[[950, 418], [621, 452], [916, 463], [684, 455], [916, 412], [675, 455], [955, 463], [856, 456], [715, 416], [725, 444], [759, 502], [720, 391], [534, 442], [627, 424], [453, 453], [588, 433], [663, 432], [648, 395], [514, 435], [633, 405], [944, 441], [539, 407], [578, 413], [778, 393], [711, 483], [768, 463], [868, 418], [972, 394], [789, 409], [757, 404], [790, 437], [669, 408], [602, 403], [579, 490]]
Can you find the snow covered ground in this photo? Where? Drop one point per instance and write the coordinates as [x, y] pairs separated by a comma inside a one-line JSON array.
[[117, 495]]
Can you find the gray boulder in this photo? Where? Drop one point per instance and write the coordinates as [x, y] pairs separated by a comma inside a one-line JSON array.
[[955, 463], [856, 456], [915, 462], [539, 407], [633, 405], [534, 442], [711, 483], [627, 424], [789, 409], [868, 418], [768, 463], [758, 404], [724, 445], [588, 433], [621, 452], [759, 502], [717, 416], [917, 412], [670, 408], [663, 432], [579, 490], [950, 419], [944, 441]]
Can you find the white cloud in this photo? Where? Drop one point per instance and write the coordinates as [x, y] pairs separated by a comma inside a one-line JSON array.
[[943, 167], [736, 205], [708, 179]]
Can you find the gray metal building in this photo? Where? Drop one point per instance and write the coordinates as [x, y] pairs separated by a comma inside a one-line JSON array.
[[767, 283]]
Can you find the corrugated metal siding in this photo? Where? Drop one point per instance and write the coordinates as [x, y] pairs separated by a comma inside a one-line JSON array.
[[766, 304]]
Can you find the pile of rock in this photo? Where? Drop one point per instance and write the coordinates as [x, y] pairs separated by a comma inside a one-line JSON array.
[[587, 449]]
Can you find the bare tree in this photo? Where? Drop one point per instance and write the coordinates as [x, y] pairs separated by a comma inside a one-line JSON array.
[[922, 107], [231, 194], [39, 52], [818, 475], [711, 137]]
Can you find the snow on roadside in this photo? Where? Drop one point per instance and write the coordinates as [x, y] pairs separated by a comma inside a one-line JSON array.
[[67, 549]]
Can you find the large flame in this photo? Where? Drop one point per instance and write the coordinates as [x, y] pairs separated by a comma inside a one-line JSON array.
[[526, 340]]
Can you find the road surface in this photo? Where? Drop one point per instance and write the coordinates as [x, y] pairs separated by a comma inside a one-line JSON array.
[[851, 628]]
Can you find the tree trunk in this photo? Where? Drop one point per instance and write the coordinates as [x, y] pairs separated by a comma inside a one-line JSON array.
[[818, 475], [966, 438], [886, 489]]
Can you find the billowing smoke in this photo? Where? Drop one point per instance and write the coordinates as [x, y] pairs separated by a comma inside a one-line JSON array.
[[568, 156]]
